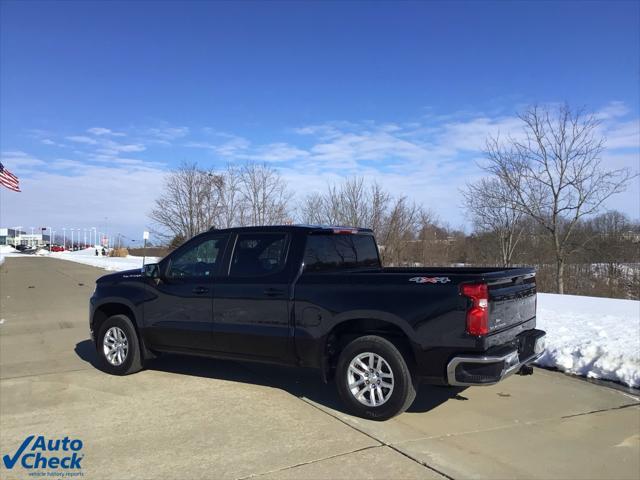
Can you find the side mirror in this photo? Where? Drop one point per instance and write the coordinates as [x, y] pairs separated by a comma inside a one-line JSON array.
[[151, 270]]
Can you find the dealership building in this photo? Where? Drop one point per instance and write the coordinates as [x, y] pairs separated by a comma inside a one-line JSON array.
[[11, 236]]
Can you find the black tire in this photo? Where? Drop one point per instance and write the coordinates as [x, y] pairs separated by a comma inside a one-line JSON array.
[[404, 385], [132, 362]]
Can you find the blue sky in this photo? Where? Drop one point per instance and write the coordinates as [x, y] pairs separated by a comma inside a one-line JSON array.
[[99, 99]]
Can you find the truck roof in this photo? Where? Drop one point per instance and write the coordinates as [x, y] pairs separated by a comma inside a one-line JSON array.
[[297, 227]]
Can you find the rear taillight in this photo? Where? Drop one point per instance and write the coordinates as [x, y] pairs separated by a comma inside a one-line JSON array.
[[478, 313]]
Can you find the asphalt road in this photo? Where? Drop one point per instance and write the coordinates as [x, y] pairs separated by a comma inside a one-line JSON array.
[[201, 418]]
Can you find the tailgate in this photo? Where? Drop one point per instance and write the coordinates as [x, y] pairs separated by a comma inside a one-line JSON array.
[[512, 301]]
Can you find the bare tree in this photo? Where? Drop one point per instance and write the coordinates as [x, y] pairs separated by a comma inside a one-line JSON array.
[[555, 173], [608, 250], [312, 209], [230, 198], [379, 201], [354, 202], [194, 200], [188, 203], [431, 245], [397, 231], [492, 208], [264, 194]]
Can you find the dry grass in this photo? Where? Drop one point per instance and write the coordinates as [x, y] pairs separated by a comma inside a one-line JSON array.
[[119, 252], [159, 252]]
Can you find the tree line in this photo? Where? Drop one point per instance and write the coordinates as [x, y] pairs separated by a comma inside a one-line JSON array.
[[540, 203]]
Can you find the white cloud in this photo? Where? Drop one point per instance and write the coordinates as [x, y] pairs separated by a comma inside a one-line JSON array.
[[100, 131], [368, 145], [326, 130], [427, 160], [82, 195], [612, 110], [622, 135], [67, 164], [472, 134], [231, 147], [82, 139], [166, 134], [113, 149], [19, 161], [276, 152], [130, 148]]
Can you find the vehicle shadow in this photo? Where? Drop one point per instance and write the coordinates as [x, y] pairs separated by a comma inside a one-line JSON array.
[[303, 383], [87, 352]]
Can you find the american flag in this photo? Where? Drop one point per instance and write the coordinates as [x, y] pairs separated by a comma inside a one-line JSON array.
[[8, 179]]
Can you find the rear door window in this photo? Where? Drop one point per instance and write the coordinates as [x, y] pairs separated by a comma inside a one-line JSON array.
[[333, 252], [258, 254]]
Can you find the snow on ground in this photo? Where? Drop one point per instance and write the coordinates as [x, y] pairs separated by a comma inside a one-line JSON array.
[[88, 257], [7, 251], [591, 337]]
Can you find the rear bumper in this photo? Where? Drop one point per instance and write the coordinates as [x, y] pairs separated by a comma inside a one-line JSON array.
[[493, 366]]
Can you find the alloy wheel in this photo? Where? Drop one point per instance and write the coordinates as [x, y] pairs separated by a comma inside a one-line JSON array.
[[115, 346], [370, 379]]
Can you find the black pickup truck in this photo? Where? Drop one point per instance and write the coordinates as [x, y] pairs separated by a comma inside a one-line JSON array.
[[318, 297]]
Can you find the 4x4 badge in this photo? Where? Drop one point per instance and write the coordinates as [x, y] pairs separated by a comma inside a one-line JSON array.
[[430, 279]]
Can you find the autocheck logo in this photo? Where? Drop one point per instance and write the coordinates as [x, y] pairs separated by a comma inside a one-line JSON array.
[[64, 455]]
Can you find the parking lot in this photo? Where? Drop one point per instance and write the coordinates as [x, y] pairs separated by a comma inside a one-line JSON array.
[[195, 418]]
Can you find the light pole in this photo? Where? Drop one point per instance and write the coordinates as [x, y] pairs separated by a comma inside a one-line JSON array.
[[72, 238], [106, 229], [64, 238], [32, 239], [16, 234], [95, 236]]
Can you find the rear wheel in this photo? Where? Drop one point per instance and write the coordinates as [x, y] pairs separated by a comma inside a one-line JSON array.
[[118, 347], [373, 378]]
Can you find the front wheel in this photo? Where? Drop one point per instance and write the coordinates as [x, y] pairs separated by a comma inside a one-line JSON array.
[[118, 347], [373, 378]]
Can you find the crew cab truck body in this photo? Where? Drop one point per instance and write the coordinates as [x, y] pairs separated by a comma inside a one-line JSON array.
[[318, 297]]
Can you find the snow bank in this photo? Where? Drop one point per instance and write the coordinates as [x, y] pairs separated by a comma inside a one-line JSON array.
[[88, 257], [591, 337], [6, 251]]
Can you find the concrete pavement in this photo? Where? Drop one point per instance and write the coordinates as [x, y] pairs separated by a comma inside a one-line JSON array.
[[203, 418]]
